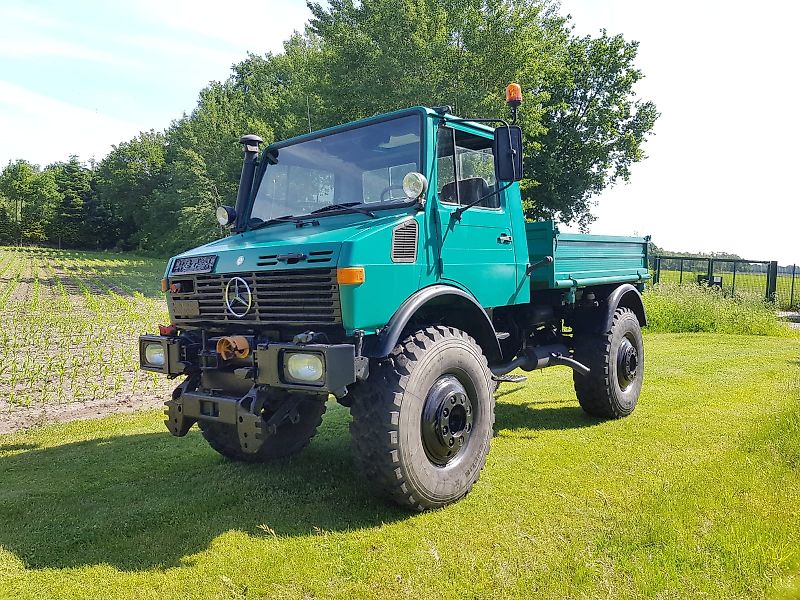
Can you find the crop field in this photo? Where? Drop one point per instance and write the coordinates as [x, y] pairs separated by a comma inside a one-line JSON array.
[[69, 323], [696, 495], [787, 295]]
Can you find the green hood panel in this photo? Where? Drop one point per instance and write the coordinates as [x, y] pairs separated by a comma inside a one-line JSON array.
[[320, 245]]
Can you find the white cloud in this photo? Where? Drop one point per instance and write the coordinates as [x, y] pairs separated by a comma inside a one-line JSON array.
[[43, 129]]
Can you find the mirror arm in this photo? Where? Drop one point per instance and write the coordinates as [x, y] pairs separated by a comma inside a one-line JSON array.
[[456, 214]]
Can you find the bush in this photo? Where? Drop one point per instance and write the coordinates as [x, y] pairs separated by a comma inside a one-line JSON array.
[[693, 308]]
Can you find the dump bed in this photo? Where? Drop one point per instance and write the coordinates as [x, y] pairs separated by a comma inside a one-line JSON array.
[[581, 259]]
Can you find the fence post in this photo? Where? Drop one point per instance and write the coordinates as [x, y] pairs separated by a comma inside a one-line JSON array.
[[657, 270], [710, 271], [680, 279], [791, 294], [772, 280], [733, 285]]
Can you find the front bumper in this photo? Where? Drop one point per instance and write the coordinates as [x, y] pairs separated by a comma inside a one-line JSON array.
[[266, 365]]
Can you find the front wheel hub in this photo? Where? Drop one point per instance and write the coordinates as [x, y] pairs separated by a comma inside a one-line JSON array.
[[447, 419], [627, 363]]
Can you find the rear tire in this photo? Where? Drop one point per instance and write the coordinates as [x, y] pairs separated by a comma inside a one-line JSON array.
[[290, 439], [422, 423], [616, 360]]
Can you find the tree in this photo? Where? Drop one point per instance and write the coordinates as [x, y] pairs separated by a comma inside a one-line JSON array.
[[71, 225], [595, 129], [31, 196], [582, 123], [126, 180]]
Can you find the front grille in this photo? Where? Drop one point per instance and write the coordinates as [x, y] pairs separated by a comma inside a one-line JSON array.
[[293, 297]]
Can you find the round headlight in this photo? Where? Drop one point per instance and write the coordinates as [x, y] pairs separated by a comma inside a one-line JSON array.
[[154, 355], [225, 215], [414, 184], [305, 367]]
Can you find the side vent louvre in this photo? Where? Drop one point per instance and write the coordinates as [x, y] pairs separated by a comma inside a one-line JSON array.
[[404, 242]]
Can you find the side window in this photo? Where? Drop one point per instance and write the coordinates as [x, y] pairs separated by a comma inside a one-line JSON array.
[[445, 163], [469, 159]]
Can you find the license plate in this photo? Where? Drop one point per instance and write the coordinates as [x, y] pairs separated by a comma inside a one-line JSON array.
[[186, 308], [193, 264]]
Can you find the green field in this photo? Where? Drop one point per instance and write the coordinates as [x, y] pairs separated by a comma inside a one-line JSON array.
[[754, 284], [695, 495], [69, 323]]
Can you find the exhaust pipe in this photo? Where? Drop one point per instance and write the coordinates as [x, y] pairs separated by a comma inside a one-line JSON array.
[[541, 357], [250, 145]]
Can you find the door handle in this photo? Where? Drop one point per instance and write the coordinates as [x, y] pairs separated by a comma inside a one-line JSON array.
[[504, 238]]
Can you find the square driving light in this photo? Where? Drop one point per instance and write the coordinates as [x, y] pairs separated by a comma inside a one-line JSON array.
[[304, 367]]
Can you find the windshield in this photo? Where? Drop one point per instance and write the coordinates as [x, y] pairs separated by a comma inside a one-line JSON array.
[[363, 165]]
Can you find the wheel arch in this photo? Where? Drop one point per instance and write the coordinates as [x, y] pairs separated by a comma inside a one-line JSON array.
[[625, 296], [599, 320], [452, 306]]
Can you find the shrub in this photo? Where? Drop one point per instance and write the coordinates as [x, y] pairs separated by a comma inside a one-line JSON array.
[[693, 308]]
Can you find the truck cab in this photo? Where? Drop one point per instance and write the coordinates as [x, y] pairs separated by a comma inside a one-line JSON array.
[[388, 263]]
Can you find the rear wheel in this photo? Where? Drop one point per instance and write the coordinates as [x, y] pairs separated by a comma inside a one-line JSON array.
[[422, 424], [289, 439], [616, 361]]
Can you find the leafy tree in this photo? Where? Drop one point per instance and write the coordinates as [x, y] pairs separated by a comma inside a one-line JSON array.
[[126, 180], [31, 196], [583, 125], [594, 126]]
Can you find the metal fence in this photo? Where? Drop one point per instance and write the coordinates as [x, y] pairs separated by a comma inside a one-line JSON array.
[[777, 284]]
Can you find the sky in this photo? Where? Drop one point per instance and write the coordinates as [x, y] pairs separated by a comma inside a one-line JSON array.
[[79, 77]]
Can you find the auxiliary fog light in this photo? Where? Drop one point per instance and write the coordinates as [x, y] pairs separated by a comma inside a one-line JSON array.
[[154, 355], [305, 367]]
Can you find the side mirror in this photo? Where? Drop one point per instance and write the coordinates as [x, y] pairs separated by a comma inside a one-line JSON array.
[[507, 149]]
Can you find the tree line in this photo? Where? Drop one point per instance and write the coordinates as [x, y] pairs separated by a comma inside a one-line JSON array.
[[583, 123]]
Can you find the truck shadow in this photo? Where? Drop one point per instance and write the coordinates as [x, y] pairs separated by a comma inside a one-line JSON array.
[[148, 500], [540, 415]]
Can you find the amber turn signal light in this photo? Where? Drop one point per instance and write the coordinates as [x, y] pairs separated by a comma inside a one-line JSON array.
[[164, 285], [350, 275]]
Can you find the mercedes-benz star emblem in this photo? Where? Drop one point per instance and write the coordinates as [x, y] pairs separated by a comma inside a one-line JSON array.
[[238, 297]]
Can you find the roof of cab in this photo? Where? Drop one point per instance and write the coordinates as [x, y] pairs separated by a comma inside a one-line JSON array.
[[422, 110]]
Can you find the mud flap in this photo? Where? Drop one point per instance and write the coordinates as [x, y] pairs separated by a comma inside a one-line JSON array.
[[177, 422], [250, 423]]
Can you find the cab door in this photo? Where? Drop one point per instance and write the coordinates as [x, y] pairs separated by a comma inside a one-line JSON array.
[[477, 251]]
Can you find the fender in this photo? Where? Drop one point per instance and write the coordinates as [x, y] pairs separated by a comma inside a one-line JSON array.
[[479, 326], [599, 320], [625, 296]]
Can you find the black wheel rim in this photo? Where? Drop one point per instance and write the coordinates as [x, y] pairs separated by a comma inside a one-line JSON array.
[[628, 365], [447, 420]]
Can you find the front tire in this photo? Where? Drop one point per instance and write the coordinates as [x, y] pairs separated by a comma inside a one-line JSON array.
[[616, 363], [422, 423], [288, 440]]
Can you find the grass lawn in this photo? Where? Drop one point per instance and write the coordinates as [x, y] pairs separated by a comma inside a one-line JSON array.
[[695, 495]]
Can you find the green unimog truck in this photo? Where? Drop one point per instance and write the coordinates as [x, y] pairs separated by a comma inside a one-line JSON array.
[[388, 263]]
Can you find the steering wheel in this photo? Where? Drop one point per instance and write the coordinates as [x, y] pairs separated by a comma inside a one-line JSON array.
[[389, 189]]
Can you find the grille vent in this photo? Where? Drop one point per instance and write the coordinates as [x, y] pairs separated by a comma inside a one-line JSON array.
[[285, 297], [317, 256], [404, 242]]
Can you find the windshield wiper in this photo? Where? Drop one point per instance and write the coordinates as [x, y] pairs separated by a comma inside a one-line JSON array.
[[283, 219], [351, 206]]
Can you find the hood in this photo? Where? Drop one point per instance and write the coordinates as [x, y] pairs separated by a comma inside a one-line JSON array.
[[286, 246]]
